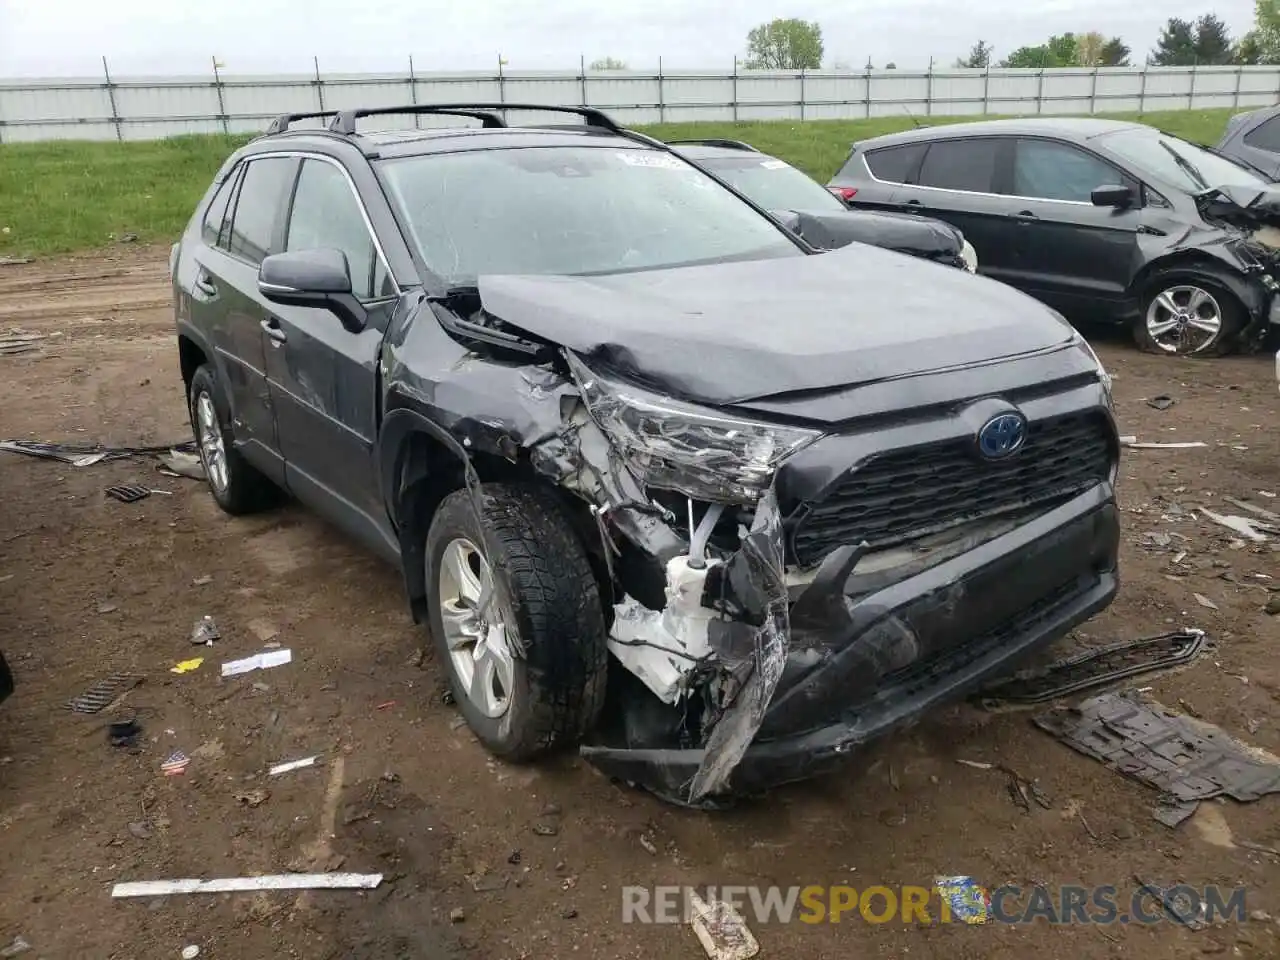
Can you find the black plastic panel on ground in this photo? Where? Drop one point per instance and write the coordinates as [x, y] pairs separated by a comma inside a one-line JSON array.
[[909, 493]]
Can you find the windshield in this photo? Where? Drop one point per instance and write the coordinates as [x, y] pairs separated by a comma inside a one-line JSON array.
[[773, 184], [572, 210], [1178, 162]]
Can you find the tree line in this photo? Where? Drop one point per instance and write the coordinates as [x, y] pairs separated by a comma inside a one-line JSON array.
[[794, 44]]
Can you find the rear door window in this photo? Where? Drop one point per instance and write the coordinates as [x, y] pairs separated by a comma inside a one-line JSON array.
[[1265, 136], [896, 164], [968, 165], [259, 207], [1044, 170]]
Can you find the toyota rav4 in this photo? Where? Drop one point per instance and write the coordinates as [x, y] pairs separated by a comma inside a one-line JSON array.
[[662, 480]]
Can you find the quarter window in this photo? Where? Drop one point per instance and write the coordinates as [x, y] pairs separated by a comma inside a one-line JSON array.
[[896, 164], [216, 216], [968, 165], [1054, 171], [266, 182], [326, 214]]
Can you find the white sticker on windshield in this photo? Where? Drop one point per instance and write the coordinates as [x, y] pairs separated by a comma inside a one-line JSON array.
[[774, 164], [648, 158]]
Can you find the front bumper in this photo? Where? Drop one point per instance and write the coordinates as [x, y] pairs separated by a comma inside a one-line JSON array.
[[895, 653]]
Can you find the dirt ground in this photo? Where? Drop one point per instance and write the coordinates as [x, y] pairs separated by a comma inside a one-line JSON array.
[[91, 587]]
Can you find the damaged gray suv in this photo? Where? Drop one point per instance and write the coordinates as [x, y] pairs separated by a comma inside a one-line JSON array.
[[664, 482]]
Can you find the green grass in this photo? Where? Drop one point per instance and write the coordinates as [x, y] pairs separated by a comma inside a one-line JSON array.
[[64, 196]]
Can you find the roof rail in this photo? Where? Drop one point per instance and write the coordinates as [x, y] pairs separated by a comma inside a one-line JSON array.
[[345, 121], [716, 142], [281, 123]]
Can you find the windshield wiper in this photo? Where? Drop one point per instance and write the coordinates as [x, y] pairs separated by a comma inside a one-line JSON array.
[[1186, 166]]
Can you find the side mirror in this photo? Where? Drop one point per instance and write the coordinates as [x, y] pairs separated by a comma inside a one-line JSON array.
[[313, 278], [1112, 195]]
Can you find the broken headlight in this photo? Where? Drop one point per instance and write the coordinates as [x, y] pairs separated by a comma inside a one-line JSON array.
[[1104, 378], [671, 445]]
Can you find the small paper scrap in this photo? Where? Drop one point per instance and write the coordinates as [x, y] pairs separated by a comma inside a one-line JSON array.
[[186, 666], [283, 881], [280, 768], [259, 661], [176, 763]]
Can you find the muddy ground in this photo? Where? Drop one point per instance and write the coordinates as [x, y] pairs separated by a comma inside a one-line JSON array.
[[90, 587]]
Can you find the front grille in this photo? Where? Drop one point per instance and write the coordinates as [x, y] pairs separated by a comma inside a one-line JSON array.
[[909, 493]]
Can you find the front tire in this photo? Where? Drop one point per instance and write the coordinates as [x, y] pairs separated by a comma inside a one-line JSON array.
[[1188, 316], [236, 485], [516, 618]]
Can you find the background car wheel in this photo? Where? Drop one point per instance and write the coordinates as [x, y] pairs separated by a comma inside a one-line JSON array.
[[235, 484], [516, 619], [1188, 316]]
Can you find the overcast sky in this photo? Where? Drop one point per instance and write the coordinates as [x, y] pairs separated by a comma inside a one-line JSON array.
[[69, 37]]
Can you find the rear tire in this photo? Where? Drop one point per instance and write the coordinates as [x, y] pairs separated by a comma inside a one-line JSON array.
[[237, 486], [1188, 315], [527, 672]]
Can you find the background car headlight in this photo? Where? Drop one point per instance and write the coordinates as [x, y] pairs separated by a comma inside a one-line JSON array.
[[969, 256], [701, 453]]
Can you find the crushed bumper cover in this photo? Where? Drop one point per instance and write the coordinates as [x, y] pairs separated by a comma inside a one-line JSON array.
[[890, 656]]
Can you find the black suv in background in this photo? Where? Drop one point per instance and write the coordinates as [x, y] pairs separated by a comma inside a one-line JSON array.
[[1100, 219], [820, 216], [662, 479]]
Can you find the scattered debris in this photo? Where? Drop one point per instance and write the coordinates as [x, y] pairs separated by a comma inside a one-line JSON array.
[[1241, 525], [190, 952], [102, 693], [1183, 445], [1273, 604], [85, 455], [570, 913], [15, 344], [123, 733], [13, 262], [127, 238], [181, 464], [1188, 759], [1193, 916], [514, 858], [457, 915], [1094, 668], [105, 608], [291, 765], [187, 666], [205, 632], [279, 881], [965, 896], [175, 764], [141, 829], [128, 493], [254, 798], [259, 661], [18, 947], [1205, 601], [977, 764], [202, 581], [648, 845], [1268, 515], [1162, 402], [720, 929]]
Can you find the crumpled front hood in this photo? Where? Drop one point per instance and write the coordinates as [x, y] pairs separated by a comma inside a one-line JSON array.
[[901, 232], [1252, 206], [750, 329]]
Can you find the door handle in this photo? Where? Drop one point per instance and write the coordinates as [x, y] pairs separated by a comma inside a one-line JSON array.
[[206, 286], [271, 326], [911, 203], [1025, 216]]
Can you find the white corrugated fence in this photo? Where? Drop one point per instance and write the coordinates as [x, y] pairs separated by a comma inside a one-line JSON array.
[[140, 108]]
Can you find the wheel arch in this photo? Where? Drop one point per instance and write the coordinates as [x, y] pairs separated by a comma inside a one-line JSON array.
[[1200, 265]]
